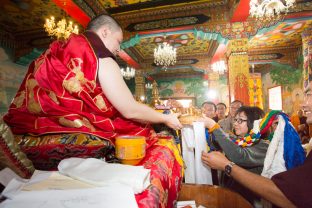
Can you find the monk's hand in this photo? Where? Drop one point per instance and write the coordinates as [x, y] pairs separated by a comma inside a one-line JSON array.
[[215, 160], [173, 122]]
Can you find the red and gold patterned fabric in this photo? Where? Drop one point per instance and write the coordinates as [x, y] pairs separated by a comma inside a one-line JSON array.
[[165, 178], [61, 94], [46, 151]]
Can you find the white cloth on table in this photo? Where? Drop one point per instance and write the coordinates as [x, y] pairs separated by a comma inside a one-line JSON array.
[[49, 189], [116, 195], [101, 173], [6, 175]]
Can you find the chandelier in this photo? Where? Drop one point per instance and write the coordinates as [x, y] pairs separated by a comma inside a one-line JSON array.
[[128, 73], [165, 55], [219, 67], [269, 9], [61, 29]]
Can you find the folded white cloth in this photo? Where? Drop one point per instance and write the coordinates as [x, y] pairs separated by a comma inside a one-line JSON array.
[[193, 143], [100, 173], [274, 160]]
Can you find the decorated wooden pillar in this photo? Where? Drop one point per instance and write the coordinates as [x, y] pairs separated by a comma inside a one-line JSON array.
[[139, 87], [307, 55], [255, 90], [238, 68]]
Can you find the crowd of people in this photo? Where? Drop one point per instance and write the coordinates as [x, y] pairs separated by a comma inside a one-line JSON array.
[[243, 143], [69, 90]]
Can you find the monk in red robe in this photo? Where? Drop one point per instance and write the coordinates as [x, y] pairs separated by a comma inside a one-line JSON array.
[[76, 86]]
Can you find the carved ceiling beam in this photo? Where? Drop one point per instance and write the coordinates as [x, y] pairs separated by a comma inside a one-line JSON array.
[[177, 74], [215, 14], [128, 59], [90, 7], [240, 11], [235, 30], [213, 46], [7, 40], [284, 49], [71, 8], [201, 56], [284, 55], [152, 12]]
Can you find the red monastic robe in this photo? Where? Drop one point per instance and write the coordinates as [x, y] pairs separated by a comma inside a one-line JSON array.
[[60, 93]]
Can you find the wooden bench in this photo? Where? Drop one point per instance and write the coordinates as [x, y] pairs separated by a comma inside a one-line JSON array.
[[212, 196]]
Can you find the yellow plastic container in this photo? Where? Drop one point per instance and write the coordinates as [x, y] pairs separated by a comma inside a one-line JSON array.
[[130, 149]]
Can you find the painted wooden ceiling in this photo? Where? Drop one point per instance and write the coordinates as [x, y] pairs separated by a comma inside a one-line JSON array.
[[114, 4], [281, 35], [199, 29], [185, 43], [17, 16]]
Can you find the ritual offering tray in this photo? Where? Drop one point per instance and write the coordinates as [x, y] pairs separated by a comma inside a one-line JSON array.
[[188, 119]]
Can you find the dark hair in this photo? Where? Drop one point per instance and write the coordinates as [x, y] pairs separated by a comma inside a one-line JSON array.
[[237, 101], [209, 103], [252, 112], [222, 104], [102, 20]]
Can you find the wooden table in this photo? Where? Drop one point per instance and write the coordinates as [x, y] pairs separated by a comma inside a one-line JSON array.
[[212, 196]]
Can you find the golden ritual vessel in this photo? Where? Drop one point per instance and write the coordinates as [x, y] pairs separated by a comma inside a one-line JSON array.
[[130, 149], [192, 114]]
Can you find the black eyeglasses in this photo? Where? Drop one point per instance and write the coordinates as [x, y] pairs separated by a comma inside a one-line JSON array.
[[239, 120]]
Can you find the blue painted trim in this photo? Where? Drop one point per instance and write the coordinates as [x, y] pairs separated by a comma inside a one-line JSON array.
[[197, 33], [131, 42], [210, 36], [28, 58], [159, 69]]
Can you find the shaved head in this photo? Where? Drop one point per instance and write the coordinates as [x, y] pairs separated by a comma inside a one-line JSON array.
[[103, 20]]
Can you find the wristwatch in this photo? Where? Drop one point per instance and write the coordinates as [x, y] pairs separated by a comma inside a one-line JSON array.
[[228, 168]]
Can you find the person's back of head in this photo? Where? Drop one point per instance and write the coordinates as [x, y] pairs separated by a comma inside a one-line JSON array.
[[103, 20]]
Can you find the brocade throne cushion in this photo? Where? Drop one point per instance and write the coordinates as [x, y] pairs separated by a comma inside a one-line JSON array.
[[46, 151], [11, 155]]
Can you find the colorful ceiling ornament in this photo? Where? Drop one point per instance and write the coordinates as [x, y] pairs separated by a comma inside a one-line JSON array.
[[283, 35]]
